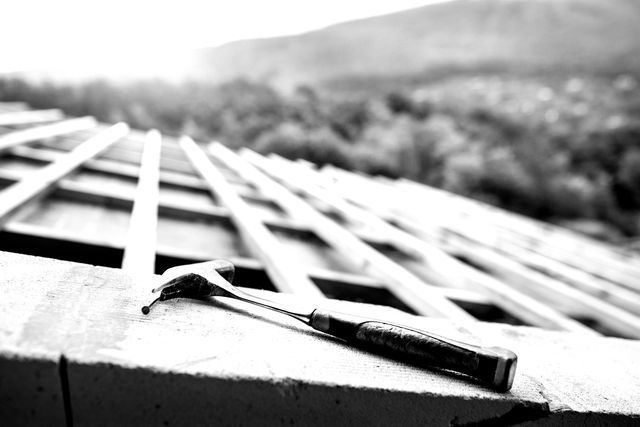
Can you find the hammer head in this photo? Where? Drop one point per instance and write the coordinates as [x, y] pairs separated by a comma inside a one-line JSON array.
[[211, 278], [196, 280]]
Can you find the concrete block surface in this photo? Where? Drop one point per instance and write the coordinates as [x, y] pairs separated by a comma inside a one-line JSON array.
[[221, 361]]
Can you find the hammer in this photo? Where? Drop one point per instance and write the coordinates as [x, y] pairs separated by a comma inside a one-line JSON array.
[[493, 367]]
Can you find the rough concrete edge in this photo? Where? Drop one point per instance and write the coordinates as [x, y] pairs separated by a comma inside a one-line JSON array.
[[528, 415], [484, 394], [42, 357], [519, 411]]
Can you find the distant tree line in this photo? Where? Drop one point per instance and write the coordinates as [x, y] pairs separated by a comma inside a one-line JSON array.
[[562, 150]]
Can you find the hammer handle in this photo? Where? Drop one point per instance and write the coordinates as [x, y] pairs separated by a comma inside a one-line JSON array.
[[491, 366]]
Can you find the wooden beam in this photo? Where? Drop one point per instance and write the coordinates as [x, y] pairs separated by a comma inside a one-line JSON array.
[[140, 249], [357, 282], [448, 270], [69, 188], [604, 290], [125, 170], [30, 117], [485, 226], [544, 288], [526, 280], [406, 286], [13, 106], [129, 154], [285, 275], [46, 178], [69, 184], [607, 291], [537, 233], [89, 193], [506, 229], [15, 138]]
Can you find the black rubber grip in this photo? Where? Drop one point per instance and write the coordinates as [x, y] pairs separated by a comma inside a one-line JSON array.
[[493, 366]]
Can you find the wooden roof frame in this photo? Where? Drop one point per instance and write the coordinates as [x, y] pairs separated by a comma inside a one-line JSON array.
[[514, 282]]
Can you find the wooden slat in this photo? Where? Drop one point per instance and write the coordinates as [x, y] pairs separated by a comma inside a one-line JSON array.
[[444, 221], [140, 250], [544, 288], [604, 290], [483, 227], [18, 137], [29, 117], [447, 269], [320, 274], [135, 141], [92, 193], [285, 275], [125, 154], [46, 178], [529, 281], [129, 155], [406, 286], [541, 234], [120, 169], [509, 229], [13, 106]]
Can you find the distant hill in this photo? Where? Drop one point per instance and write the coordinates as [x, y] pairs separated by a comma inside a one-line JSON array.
[[556, 35]]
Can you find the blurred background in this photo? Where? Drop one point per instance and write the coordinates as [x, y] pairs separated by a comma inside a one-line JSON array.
[[530, 105]]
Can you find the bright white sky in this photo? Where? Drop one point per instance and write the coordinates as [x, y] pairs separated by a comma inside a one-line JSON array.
[[88, 34]]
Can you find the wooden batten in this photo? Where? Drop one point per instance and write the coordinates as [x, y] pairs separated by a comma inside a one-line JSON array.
[[448, 269], [354, 281], [286, 276], [9, 106], [68, 188], [524, 279], [513, 231], [402, 283], [140, 249], [30, 117], [544, 288], [112, 167], [46, 178], [484, 226], [604, 290], [481, 230], [15, 138], [590, 279], [470, 251]]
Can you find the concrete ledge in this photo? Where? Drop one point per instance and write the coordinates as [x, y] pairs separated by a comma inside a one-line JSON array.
[[222, 362], [30, 390]]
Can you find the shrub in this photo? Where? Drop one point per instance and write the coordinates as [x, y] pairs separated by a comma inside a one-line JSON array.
[[628, 180], [348, 117], [321, 146], [568, 154]]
